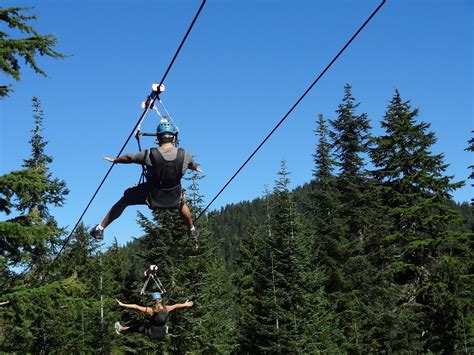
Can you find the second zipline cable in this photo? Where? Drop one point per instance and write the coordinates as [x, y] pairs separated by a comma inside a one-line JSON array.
[[293, 107]]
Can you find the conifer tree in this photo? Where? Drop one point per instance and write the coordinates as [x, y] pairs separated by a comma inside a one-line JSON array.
[[56, 193], [244, 279], [350, 136], [470, 148], [31, 236], [27, 48], [358, 224], [328, 239], [321, 270], [44, 319], [277, 283], [428, 258]]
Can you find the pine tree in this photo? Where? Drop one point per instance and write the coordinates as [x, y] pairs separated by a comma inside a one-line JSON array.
[[277, 282], [328, 238], [470, 148], [321, 269], [44, 319], [358, 227], [244, 278], [32, 235], [350, 136], [56, 193], [23, 237], [26, 48], [428, 257]]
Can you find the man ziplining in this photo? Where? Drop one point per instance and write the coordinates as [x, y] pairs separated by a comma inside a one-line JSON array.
[[164, 167]]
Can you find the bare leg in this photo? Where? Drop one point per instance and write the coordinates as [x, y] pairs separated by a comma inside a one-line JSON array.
[[186, 215], [114, 213], [133, 196], [135, 327]]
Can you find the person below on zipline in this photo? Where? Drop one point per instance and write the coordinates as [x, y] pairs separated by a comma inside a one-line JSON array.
[[165, 166], [154, 326]]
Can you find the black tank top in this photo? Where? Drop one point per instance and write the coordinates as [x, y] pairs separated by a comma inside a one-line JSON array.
[[156, 327], [159, 319]]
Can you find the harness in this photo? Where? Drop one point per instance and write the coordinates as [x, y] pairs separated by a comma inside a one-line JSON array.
[[150, 274], [164, 180]]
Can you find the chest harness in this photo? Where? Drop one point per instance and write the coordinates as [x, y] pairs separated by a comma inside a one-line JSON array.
[[163, 178]]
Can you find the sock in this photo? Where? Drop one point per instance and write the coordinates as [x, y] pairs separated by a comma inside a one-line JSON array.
[[99, 227], [192, 228]]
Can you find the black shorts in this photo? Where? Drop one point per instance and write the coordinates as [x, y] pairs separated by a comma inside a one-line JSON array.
[[139, 195], [154, 332], [136, 195]]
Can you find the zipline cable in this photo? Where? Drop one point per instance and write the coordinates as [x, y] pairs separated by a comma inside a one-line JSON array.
[[292, 108], [151, 97]]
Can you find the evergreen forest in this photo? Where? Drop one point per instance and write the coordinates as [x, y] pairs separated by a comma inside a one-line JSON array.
[[371, 255]]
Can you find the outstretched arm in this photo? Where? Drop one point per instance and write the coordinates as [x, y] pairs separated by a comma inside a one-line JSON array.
[[186, 304], [136, 307], [194, 166], [124, 159]]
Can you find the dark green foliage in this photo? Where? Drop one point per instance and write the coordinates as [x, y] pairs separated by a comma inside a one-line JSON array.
[[45, 319], [470, 148], [429, 259], [28, 48], [350, 137], [328, 241], [29, 238], [347, 209], [351, 262], [244, 278], [25, 239]]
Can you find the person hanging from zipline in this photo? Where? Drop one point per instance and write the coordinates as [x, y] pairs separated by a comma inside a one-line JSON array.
[[154, 325], [164, 167]]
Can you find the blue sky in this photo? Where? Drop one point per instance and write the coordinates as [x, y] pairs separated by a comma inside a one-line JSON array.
[[244, 65]]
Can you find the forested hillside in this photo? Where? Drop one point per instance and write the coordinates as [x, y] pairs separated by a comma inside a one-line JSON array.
[[372, 255]]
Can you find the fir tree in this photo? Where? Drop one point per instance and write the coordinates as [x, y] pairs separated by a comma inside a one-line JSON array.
[[426, 255], [350, 136], [32, 235], [327, 240], [44, 319], [321, 270], [277, 283], [26, 48], [56, 193], [470, 148], [358, 227], [244, 279]]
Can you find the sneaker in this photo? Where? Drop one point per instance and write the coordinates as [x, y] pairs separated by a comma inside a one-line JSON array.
[[193, 234], [118, 328], [97, 233]]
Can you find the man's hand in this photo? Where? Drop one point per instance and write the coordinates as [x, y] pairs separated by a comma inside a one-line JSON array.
[[199, 169], [112, 160]]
